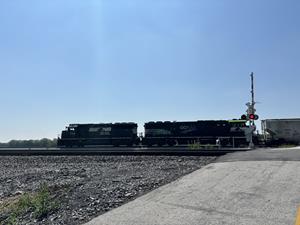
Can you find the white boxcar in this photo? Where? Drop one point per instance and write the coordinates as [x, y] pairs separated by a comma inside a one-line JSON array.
[[281, 130]]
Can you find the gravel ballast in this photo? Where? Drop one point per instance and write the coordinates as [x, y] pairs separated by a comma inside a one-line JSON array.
[[87, 186]]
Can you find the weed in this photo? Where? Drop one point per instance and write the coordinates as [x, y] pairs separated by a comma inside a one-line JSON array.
[[197, 145], [40, 204]]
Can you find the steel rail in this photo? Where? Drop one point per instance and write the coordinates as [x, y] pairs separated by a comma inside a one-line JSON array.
[[184, 151]]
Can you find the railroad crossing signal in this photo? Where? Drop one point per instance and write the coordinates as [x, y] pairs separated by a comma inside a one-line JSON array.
[[249, 117], [250, 113]]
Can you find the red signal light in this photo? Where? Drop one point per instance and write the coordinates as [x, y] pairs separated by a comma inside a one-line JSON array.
[[252, 117]]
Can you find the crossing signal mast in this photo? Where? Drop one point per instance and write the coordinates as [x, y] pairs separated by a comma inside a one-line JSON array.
[[250, 113]]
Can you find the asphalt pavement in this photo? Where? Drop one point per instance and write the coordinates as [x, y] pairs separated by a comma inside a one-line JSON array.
[[260, 187]]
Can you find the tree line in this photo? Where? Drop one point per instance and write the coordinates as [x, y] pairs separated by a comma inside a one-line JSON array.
[[42, 143]]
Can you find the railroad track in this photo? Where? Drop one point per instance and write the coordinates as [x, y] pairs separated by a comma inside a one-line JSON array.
[[186, 151]]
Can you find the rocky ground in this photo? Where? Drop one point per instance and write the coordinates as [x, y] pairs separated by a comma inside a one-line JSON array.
[[81, 187]]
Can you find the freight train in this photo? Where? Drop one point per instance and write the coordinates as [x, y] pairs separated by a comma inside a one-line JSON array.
[[281, 131], [223, 132]]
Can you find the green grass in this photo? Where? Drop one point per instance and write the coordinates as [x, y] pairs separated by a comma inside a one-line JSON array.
[[40, 204], [198, 145]]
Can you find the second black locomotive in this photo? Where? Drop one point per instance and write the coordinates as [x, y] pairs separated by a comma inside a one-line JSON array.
[[202, 132]]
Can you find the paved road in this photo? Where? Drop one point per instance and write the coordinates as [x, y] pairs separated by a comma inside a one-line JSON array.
[[290, 154], [260, 187]]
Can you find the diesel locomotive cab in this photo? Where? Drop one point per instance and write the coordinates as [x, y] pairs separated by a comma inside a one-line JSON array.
[[116, 134]]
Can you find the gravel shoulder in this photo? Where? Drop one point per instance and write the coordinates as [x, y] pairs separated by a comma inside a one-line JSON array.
[[86, 186]]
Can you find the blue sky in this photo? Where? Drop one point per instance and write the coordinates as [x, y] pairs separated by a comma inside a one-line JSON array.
[[144, 60]]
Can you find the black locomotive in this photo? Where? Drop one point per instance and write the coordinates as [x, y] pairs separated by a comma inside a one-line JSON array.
[[202, 132], [115, 134], [223, 132]]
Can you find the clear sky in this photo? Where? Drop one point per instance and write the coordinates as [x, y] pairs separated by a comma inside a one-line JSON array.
[[90, 61]]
